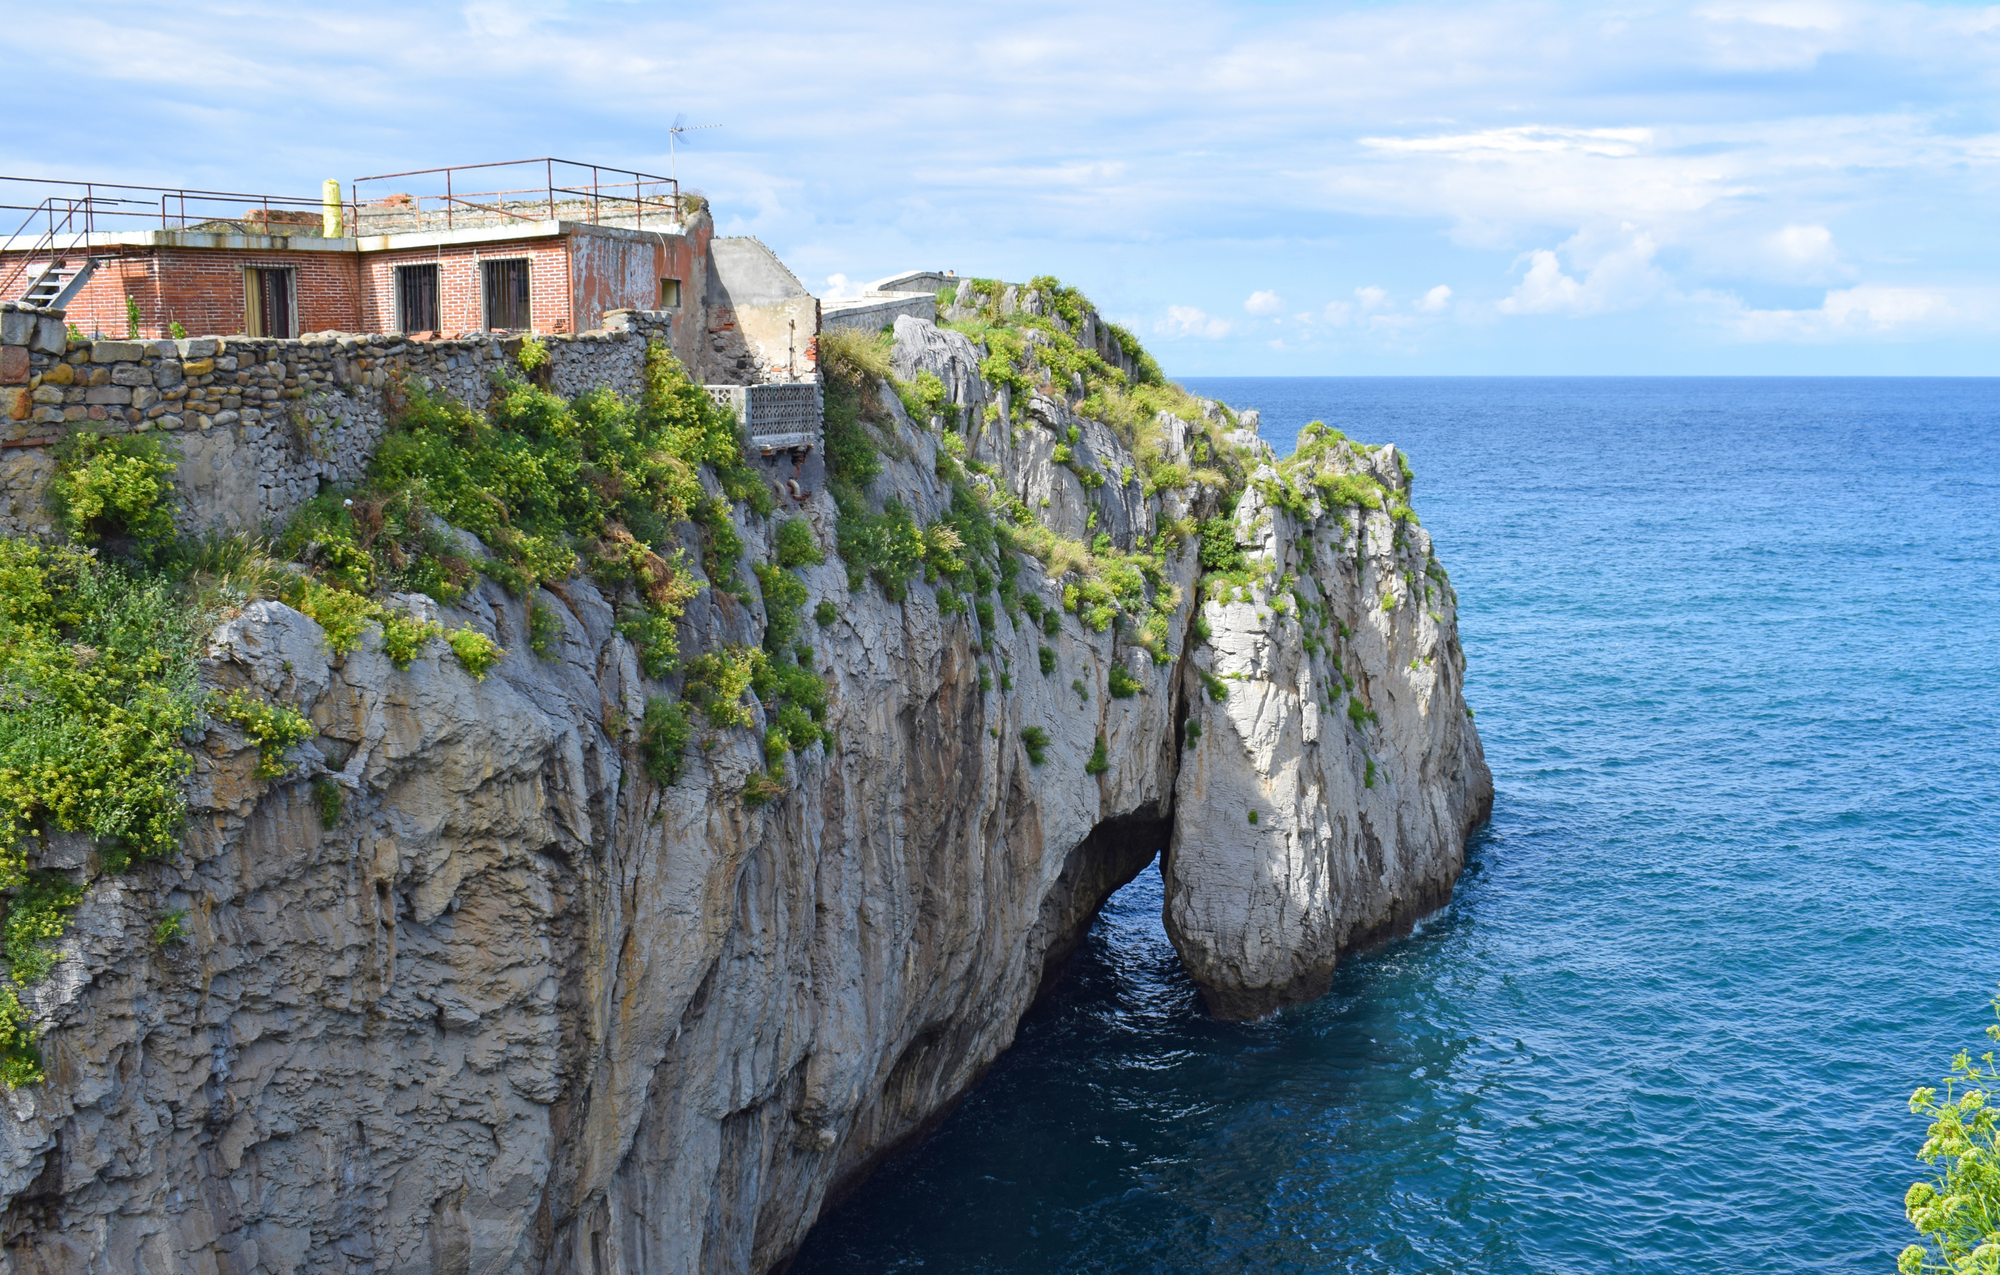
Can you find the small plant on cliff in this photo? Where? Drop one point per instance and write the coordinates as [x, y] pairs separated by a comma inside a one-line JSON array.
[[825, 614], [1100, 759], [797, 546], [1122, 684], [663, 739], [1957, 1212], [327, 796], [273, 729], [171, 928], [545, 631], [1036, 741], [113, 486]]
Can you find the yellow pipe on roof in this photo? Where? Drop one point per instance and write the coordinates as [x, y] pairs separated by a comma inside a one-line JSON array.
[[330, 219]]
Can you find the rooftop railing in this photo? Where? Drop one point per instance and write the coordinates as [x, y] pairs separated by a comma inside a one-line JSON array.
[[568, 190]]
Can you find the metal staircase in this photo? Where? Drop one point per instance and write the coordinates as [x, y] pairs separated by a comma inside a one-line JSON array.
[[59, 281], [53, 283]]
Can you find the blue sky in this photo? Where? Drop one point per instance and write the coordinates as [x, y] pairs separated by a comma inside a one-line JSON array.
[[1745, 186]]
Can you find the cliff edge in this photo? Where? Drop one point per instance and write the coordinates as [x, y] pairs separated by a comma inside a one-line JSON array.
[[623, 952]]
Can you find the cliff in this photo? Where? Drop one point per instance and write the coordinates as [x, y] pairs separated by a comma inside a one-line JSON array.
[[468, 988]]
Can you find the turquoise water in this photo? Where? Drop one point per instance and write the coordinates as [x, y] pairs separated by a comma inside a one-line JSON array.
[[1733, 647]]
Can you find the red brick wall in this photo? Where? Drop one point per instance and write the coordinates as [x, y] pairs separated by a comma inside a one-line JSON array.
[[202, 289], [461, 299]]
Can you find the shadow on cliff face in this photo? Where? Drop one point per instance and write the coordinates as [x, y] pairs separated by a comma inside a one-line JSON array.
[[1111, 857]]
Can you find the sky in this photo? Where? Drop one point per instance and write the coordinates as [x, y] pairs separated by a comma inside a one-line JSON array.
[[1269, 188]]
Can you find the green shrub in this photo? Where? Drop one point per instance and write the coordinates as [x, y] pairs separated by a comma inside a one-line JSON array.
[[1219, 550], [170, 928], [404, 636], [475, 651], [273, 729], [825, 614], [716, 682], [1100, 759], [1368, 779], [1123, 684], [36, 919], [328, 797], [113, 486], [1359, 715], [797, 546], [761, 789], [545, 631], [1048, 659], [985, 679], [663, 739], [1036, 741], [1958, 1212], [1218, 690], [1193, 734], [1253, 816], [1082, 691]]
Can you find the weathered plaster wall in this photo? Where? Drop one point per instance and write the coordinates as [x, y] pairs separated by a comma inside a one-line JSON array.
[[762, 323]]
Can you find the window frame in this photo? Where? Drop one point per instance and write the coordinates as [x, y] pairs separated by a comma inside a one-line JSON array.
[[404, 274], [675, 302], [498, 268], [255, 293]]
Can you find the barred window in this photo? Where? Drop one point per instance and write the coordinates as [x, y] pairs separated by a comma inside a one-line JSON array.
[[506, 294], [417, 298]]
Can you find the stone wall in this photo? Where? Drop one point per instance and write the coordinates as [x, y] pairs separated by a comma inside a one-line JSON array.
[[260, 423]]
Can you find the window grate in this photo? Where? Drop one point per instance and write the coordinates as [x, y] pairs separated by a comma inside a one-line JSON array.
[[506, 294], [417, 298]]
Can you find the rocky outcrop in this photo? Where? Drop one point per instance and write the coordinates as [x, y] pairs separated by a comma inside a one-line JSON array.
[[1328, 801], [514, 1007]]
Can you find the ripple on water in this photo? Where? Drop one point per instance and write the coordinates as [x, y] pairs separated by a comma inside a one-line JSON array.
[[1732, 644]]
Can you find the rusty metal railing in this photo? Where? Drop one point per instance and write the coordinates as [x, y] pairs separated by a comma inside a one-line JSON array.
[[606, 195]]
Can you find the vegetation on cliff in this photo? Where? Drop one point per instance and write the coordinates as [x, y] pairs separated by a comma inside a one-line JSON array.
[[99, 637], [1958, 1211]]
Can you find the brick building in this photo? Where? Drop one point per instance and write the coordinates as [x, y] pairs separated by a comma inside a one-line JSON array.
[[552, 257]]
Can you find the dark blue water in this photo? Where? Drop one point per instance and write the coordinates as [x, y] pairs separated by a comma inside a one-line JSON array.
[[1734, 647]]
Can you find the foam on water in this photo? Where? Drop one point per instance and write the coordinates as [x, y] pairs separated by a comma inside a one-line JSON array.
[[1733, 646]]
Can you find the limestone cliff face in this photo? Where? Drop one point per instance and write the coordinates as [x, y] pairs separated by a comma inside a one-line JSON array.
[[523, 1010], [1328, 803]]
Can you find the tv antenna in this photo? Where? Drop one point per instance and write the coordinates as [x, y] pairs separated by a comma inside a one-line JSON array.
[[674, 134]]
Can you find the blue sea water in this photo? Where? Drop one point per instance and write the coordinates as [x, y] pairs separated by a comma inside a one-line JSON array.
[[1733, 647]]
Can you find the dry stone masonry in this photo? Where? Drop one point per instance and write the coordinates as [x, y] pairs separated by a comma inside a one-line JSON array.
[[260, 423]]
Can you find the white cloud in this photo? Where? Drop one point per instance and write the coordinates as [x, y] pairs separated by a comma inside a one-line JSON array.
[[1436, 301], [1187, 320], [1615, 275], [839, 288], [1371, 298], [1868, 311], [1805, 248], [1264, 303], [1548, 127]]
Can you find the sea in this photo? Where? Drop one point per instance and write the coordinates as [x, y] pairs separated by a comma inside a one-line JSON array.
[[1734, 649]]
